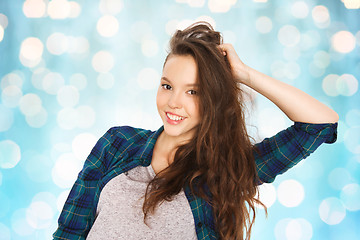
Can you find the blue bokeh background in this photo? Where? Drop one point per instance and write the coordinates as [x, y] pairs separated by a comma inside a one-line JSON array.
[[69, 70]]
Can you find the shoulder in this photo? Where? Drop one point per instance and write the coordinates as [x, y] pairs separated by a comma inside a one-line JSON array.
[[129, 133]]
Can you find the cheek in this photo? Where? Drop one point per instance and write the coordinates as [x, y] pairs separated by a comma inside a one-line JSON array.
[[160, 99]]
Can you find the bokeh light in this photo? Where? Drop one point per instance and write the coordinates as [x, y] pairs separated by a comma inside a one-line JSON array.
[[332, 211], [70, 70], [9, 154], [290, 193]]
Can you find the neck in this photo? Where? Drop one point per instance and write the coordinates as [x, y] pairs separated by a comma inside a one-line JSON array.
[[167, 145]]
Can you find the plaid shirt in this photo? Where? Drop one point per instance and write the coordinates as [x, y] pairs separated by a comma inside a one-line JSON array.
[[123, 148]]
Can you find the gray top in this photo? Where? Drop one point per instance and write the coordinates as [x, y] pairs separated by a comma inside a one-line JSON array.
[[119, 212]]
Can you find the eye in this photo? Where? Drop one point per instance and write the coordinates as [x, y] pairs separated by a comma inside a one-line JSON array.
[[192, 92], [166, 86]]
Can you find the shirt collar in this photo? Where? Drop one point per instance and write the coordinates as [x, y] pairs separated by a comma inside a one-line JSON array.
[[145, 154]]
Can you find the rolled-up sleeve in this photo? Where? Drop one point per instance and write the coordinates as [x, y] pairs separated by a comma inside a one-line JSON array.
[[275, 155], [74, 220]]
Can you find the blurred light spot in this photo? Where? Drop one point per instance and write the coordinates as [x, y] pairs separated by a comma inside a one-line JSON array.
[[196, 3], [229, 37], [36, 173], [148, 78], [357, 35], [46, 197], [1, 33], [31, 51], [105, 80], [280, 229], [57, 43], [290, 193], [68, 96], [11, 79], [300, 9], [6, 118], [75, 9], [103, 61], [107, 26], [85, 117], [67, 118], [184, 24], [338, 178], [292, 70], [111, 6], [10, 154], [66, 169], [291, 53], [11, 96], [39, 215], [353, 117], [30, 104], [350, 196], [139, 30], [309, 39], [322, 59], [221, 6], [59, 9], [62, 199], [321, 16], [298, 229], [347, 85], [78, 80], [3, 21], [59, 148], [82, 145], [19, 224], [149, 47], [78, 45], [343, 41], [263, 24], [270, 126], [267, 194], [5, 232], [352, 139], [260, 1], [38, 120], [316, 71], [289, 35], [171, 27], [207, 19], [52, 82], [38, 76], [351, 4], [329, 85], [332, 211], [34, 8]]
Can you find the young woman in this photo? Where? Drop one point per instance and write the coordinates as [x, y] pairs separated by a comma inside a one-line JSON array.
[[197, 176]]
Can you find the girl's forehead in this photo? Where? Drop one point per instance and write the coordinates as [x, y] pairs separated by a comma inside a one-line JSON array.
[[180, 69]]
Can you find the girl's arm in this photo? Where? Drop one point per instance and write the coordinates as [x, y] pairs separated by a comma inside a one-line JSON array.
[[296, 104]]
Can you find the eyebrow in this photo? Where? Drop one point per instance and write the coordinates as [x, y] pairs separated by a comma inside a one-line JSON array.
[[187, 85]]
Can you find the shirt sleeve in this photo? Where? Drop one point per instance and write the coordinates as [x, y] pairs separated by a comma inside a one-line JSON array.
[[275, 155], [75, 218]]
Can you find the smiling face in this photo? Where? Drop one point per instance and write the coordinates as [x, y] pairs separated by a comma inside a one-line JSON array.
[[177, 99]]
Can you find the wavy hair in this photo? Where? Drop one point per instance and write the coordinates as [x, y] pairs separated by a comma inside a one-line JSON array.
[[218, 162]]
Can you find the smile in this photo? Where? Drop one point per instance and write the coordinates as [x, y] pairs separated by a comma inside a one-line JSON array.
[[175, 118]]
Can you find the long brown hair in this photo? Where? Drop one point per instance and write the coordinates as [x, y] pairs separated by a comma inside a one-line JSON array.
[[219, 158]]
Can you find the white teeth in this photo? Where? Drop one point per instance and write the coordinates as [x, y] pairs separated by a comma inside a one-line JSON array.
[[173, 117]]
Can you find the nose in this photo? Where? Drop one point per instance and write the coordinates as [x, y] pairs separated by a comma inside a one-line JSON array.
[[175, 100]]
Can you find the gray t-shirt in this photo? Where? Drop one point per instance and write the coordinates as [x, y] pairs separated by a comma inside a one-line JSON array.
[[119, 212]]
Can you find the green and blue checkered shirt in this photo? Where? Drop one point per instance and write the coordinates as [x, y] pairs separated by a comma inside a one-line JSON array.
[[124, 148]]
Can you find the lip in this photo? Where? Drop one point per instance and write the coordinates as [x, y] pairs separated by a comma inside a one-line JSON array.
[[173, 122]]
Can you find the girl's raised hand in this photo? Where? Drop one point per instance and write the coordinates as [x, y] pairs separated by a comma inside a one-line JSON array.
[[239, 69]]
